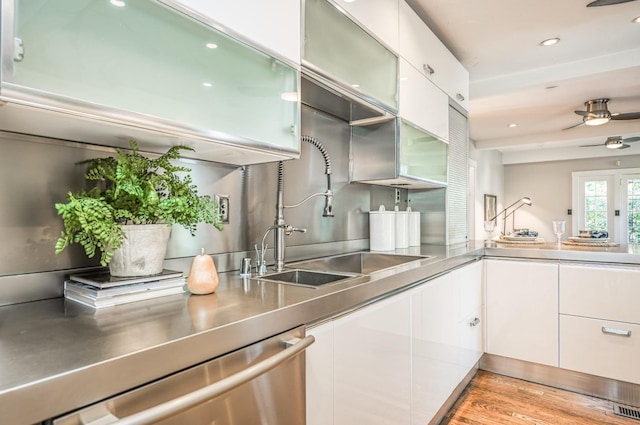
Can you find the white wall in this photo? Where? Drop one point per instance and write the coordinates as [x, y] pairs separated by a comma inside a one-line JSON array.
[[549, 186], [489, 180]]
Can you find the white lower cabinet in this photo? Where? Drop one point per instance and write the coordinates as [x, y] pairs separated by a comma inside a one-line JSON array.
[[600, 321], [319, 375], [600, 347], [372, 364], [435, 355], [468, 282], [522, 310], [396, 362], [446, 337]]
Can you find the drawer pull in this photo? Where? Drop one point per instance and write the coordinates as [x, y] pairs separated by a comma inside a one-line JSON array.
[[474, 322], [619, 332]]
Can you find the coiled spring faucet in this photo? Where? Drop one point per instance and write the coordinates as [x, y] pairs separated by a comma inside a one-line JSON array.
[[280, 227]]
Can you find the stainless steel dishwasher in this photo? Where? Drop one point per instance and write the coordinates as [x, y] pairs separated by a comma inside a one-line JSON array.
[[262, 384]]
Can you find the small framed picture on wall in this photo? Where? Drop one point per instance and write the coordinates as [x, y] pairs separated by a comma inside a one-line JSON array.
[[490, 205]]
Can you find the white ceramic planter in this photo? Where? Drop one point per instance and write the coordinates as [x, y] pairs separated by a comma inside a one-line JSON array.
[[143, 250]]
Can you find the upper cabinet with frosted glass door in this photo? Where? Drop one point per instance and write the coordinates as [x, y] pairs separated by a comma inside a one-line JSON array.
[[342, 51], [107, 71]]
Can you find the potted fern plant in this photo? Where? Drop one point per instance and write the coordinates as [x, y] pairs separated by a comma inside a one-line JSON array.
[[129, 209]]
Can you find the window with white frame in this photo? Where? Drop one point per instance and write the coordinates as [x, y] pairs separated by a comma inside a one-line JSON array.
[[608, 200]]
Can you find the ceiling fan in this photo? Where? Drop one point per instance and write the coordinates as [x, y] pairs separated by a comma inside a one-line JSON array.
[[615, 142], [606, 2], [597, 113]]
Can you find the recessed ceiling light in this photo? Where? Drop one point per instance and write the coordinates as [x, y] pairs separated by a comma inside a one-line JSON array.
[[636, 20], [549, 41], [513, 125], [118, 3], [207, 84], [212, 45], [355, 86]]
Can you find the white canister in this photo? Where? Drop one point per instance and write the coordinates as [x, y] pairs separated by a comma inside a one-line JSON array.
[[414, 227], [402, 228], [382, 230]]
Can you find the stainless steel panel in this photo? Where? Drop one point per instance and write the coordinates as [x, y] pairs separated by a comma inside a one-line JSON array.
[[433, 220], [374, 149], [323, 95], [609, 389], [38, 172], [275, 397]]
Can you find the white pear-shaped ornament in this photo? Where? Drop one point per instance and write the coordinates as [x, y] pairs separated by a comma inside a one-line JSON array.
[[203, 276]]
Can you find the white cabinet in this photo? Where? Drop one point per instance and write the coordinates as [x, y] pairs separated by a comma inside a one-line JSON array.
[[380, 17], [522, 310], [435, 355], [274, 24], [421, 102], [446, 337], [605, 292], [600, 347], [397, 361], [319, 375], [420, 46], [372, 366], [600, 321], [468, 283]]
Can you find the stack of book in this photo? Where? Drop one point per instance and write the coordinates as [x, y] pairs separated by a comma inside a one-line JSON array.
[[100, 289]]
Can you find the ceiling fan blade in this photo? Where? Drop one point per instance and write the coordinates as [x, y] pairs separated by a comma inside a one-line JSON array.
[[606, 2], [583, 113], [627, 116], [624, 147], [590, 146], [573, 126], [631, 139]]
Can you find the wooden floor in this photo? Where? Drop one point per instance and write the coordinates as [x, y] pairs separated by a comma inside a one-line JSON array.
[[492, 399]]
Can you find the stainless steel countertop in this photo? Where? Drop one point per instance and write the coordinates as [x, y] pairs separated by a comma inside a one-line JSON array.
[[58, 355], [624, 254]]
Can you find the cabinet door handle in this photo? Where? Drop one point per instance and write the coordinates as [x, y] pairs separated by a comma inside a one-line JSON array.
[[474, 322], [428, 69], [619, 332], [460, 97]]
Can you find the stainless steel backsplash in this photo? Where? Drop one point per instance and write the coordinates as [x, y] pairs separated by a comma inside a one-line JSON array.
[[37, 172]]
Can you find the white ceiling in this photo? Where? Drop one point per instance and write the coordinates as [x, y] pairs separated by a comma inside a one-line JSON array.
[[511, 74]]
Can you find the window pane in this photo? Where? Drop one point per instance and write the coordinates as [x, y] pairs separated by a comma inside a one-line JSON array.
[[595, 205], [633, 210]]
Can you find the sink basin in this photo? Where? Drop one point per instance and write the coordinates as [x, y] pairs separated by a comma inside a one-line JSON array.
[[309, 278], [358, 262]]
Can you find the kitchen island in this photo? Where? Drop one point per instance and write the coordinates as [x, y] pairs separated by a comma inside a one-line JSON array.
[[64, 355]]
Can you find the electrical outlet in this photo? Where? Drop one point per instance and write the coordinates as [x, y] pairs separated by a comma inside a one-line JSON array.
[[397, 196], [223, 207]]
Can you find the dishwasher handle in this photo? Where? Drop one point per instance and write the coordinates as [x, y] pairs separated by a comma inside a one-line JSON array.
[[194, 398]]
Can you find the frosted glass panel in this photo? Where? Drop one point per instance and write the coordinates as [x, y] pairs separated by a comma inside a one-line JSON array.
[[147, 58], [339, 47], [422, 155]]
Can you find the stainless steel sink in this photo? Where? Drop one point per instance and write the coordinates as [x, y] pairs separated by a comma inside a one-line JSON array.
[[310, 278], [358, 262]]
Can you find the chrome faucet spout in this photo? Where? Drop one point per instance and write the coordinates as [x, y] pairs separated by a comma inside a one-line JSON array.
[[281, 228]]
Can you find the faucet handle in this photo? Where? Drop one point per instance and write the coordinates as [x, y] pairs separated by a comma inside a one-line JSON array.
[[289, 229]]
